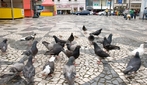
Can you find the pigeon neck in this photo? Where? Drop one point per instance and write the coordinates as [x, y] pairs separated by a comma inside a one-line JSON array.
[[30, 60], [52, 59]]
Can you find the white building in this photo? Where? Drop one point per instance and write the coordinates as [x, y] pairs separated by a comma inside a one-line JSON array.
[[69, 6], [143, 5]]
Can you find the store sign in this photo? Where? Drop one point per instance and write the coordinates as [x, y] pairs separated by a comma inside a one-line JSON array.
[[63, 6], [119, 1], [95, 3]]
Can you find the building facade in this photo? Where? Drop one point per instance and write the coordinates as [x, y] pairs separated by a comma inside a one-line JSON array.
[[69, 6], [99, 4]]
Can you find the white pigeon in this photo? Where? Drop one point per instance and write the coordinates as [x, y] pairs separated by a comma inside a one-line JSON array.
[[140, 50], [48, 68]]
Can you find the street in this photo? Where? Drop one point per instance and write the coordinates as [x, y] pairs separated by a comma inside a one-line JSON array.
[[128, 34]]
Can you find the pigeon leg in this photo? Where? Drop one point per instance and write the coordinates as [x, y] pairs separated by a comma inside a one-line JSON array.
[[35, 59], [98, 62], [76, 64]]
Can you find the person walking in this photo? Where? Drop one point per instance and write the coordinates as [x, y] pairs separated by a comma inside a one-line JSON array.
[[106, 12], [145, 13], [132, 13], [135, 13], [125, 13]]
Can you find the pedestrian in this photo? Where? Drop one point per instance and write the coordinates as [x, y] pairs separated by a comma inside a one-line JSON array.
[[145, 13], [125, 13], [106, 12], [135, 13], [132, 13], [3, 4]]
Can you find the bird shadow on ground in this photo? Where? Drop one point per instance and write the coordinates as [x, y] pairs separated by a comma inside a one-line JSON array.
[[20, 45], [126, 41], [6, 63]]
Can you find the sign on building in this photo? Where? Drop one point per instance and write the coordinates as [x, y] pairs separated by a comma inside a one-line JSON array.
[[119, 1]]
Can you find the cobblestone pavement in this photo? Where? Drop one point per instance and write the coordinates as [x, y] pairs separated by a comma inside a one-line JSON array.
[[128, 34]]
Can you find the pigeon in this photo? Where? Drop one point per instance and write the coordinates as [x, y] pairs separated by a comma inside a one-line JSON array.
[[29, 70], [49, 67], [48, 45], [33, 51], [71, 47], [28, 38], [17, 67], [111, 47], [57, 48], [140, 50], [91, 38], [109, 39], [97, 32], [133, 65], [71, 38], [58, 40], [99, 52], [107, 45], [74, 53], [69, 71], [84, 29], [3, 45]]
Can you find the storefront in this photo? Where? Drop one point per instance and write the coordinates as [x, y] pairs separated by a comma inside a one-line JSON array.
[[64, 9], [11, 9]]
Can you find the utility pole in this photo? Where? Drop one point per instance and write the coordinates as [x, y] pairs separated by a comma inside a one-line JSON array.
[[101, 5], [110, 7], [129, 4]]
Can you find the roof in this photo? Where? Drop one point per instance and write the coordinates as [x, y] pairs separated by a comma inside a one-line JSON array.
[[47, 3]]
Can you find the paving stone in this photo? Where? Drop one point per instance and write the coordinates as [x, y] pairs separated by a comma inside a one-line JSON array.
[[125, 35]]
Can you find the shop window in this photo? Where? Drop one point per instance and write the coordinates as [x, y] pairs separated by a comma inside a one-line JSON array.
[[75, 0], [69, 0], [58, 0], [52, 0]]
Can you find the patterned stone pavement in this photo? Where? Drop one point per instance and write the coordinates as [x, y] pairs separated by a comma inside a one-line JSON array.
[[128, 34]]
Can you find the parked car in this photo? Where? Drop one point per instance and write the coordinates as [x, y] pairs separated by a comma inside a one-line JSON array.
[[102, 13], [85, 12]]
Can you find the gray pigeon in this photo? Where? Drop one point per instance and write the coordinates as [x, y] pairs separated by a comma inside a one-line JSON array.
[[99, 52], [57, 48], [69, 71], [133, 65], [17, 67], [71, 47], [91, 38], [71, 38], [33, 51], [97, 32], [29, 71], [48, 45], [59, 40], [3, 45]]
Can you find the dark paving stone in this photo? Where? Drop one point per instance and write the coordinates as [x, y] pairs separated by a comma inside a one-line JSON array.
[[10, 28]]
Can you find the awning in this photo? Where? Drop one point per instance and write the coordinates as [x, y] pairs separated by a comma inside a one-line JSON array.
[[47, 3]]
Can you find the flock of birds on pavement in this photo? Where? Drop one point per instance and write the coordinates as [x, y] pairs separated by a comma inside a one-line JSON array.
[[72, 52]]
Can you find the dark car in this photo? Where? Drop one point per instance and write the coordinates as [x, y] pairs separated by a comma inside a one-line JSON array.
[[83, 13]]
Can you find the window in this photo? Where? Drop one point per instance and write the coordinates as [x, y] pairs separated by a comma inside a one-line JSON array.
[[58, 0], [52, 0], [69, 0], [75, 0], [124, 1]]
